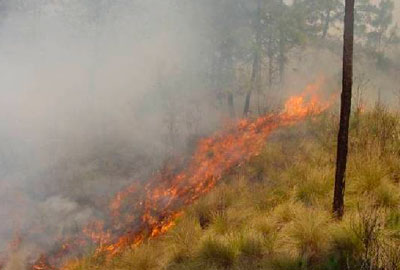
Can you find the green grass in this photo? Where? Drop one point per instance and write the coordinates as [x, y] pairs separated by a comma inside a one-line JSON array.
[[275, 212]]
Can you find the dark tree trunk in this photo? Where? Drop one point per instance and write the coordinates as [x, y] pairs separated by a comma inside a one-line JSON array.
[[327, 22], [256, 62], [252, 84], [342, 146], [281, 56], [217, 80], [270, 63], [231, 105], [282, 48], [247, 104]]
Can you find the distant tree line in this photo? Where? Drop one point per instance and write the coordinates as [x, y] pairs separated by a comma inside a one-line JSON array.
[[247, 42], [253, 39]]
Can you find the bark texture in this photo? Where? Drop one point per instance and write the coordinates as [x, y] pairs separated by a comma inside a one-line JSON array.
[[342, 146]]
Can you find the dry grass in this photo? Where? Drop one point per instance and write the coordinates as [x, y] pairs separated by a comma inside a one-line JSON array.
[[274, 213]]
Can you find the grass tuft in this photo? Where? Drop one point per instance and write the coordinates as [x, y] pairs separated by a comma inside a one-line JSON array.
[[275, 211], [216, 253]]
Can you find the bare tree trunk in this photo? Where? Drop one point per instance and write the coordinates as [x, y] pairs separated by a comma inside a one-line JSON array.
[[252, 83], [256, 62], [231, 105], [217, 80], [282, 44], [270, 54], [281, 57], [342, 145], [327, 22]]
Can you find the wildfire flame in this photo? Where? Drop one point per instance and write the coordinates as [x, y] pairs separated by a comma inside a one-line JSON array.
[[138, 215]]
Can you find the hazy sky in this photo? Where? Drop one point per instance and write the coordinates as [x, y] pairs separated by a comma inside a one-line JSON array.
[[396, 17]]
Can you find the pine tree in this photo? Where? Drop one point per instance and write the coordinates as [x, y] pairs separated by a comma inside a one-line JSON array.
[[342, 144]]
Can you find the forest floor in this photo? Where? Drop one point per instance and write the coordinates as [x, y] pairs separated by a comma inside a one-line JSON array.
[[275, 212]]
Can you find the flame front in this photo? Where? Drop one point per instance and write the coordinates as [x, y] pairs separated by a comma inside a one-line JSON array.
[[138, 215]]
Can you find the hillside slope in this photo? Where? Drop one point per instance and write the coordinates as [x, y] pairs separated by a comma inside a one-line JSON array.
[[274, 213]]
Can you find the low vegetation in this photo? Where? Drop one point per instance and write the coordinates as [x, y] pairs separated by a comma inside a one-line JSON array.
[[275, 212]]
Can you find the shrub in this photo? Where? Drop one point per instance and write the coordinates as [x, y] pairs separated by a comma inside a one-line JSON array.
[[367, 226], [250, 245], [346, 245], [216, 253], [220, 223], [379, 133], [264, 167], [308, 235], [287, 263], [144, 257], [367, 173], [265, 198], [286, 212], [313, 189], [182, 240], [393, 220], [387, 195], [214, 203]]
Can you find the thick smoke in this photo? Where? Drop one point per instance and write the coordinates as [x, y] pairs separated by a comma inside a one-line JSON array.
[[94, 95], [396, 14]]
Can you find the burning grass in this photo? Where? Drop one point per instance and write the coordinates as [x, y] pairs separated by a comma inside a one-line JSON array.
[[277, 216], [140, 213], [271, 207]]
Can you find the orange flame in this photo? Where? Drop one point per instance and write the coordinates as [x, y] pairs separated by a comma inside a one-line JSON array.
[[153, 212], [213, 157]]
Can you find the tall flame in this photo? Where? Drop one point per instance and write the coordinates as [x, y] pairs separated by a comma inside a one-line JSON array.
[[139, 214]]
